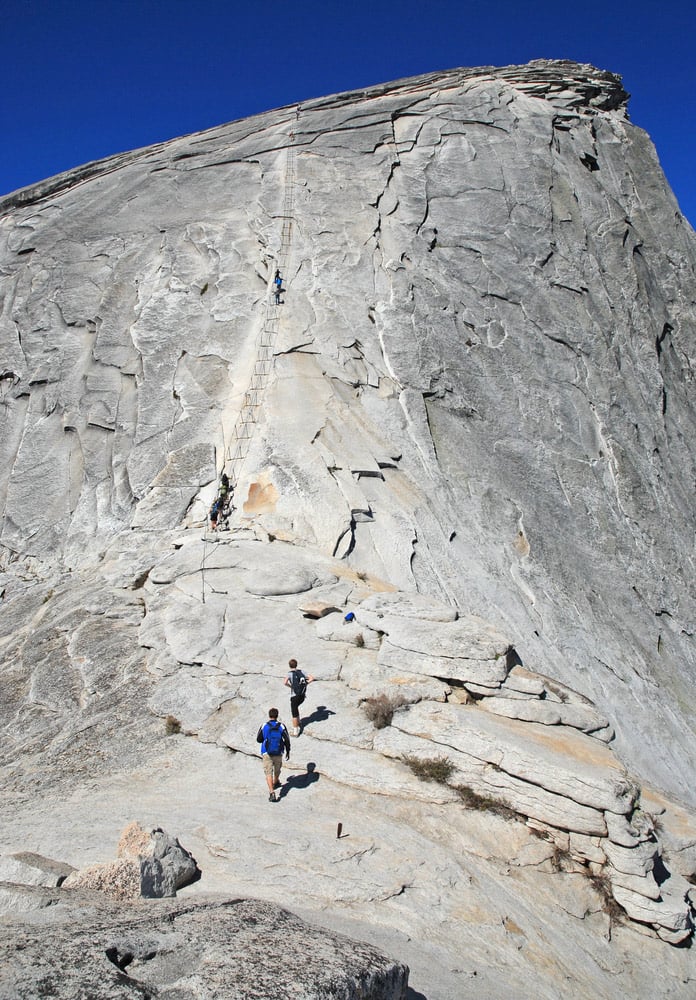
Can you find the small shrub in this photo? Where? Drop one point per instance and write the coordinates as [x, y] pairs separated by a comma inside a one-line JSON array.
[[560, 859], [172, 726], [204, 289], [380, 710], [472, 800], [360, 640], [430, 768], [361, 575], [601, 884]]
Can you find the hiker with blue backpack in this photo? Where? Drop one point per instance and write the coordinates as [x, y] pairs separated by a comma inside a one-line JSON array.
[[273, 737], [297, 680]]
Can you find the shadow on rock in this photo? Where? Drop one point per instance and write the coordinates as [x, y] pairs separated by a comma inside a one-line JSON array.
[[300, 780], [320, 714]]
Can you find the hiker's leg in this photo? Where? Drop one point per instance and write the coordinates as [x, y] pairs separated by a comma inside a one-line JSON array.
[[268, 771]]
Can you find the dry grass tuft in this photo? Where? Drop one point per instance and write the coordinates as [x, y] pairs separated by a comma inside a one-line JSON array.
[[430, 768], [473, 800], [380, 710], [172, 726]]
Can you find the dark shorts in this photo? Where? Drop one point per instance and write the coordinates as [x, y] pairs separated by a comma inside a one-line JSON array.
[[295, 702]]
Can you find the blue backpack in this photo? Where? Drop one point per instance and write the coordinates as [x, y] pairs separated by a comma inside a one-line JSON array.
[[273, 738]]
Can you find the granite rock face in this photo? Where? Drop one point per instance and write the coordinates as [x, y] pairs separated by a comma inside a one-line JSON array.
[[77, 947], [470, 424]]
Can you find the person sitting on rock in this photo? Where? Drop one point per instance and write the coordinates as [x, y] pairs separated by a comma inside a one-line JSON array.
[[273, 737], [297, 680]]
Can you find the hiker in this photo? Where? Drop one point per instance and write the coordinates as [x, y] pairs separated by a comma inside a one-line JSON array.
[[273, 736], [215, 512], [297, 680], [277, 286], [224, 495]]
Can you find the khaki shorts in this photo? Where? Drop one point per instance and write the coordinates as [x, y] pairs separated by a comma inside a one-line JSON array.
[[272, 765]]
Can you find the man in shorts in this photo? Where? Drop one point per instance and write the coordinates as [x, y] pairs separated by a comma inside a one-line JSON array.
[[273, 737]]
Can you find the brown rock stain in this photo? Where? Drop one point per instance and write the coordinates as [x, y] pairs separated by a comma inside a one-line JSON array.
[[261, 499], [521, 543]]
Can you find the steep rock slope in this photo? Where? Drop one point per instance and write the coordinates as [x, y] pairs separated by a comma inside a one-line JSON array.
[[477, 388]]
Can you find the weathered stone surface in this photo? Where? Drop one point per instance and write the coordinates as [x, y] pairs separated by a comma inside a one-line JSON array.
[[668, 913], [486, 672], [418, 606], [476, 397], [334, 628], [119, 880], [548, 713], [26, 868], [525, 682], [525, 798], [638, 860], [215, 947], [587, 847], [150, 864], [562, 761], [622, 831]]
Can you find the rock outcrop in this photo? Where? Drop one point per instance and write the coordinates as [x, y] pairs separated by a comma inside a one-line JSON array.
[[78, 947], [469, 427], [149, 865]]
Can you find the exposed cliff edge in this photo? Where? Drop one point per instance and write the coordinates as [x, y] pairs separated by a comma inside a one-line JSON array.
[[470, 423]]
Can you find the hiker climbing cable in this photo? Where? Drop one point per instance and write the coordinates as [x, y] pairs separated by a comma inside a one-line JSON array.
[[215, 513], [297, 680], [273, 737], [222, 505], [277, 286], [224, 487]]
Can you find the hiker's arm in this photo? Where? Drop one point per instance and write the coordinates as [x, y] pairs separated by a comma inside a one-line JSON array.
[[310, 679], [286, 682], [259, 735], [286, 741]]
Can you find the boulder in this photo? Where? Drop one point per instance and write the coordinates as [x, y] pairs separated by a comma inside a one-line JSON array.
[[26, 868], [215, 947], [150, 864]]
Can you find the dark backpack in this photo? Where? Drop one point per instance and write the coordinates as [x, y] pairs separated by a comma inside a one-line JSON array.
[[298, 683], [274, 738]]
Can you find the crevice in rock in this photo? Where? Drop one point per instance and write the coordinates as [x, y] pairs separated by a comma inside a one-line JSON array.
[[349, 531], [667, 329], [589, 161]]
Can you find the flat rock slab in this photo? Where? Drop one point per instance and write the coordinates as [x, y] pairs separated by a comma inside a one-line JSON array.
[[405, 605], [27, 868], [561, 760], [548, 713], [213, 947], [352, 766], [495, 786]]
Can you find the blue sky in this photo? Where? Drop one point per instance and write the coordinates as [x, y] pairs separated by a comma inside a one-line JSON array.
[[84, 80]]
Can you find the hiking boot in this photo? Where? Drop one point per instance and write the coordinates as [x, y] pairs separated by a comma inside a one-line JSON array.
[[296, 731], [272, 798]]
